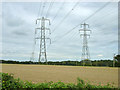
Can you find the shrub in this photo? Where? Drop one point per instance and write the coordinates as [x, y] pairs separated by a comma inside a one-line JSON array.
[[8, 81]]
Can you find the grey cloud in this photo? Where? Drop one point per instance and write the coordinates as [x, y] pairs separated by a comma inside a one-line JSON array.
[[113, 42], [20, 33], [14, 21], [19, 30]]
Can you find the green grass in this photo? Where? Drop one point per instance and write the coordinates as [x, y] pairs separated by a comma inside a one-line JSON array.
[[8, 81]]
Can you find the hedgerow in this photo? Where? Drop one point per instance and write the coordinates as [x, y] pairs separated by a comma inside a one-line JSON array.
[[8, 81]]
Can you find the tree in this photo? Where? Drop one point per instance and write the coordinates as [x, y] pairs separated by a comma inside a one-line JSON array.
[[117, 57]]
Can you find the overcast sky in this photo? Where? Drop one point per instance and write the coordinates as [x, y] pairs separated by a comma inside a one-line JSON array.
[[18, 27]]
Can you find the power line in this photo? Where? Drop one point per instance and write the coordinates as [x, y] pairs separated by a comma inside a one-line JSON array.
[[50, 6], [58, 10], [35, 34], [75, 36], [102, 18], [39, 11], [33, 47], [72, 35], [92, 14], [65, 16], [83, 21], [43, 8]]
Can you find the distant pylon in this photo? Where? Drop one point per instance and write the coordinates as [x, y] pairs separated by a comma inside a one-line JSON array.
[[85, 48], [42, 28]]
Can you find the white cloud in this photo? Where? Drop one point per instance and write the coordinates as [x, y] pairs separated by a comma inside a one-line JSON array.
[[100, 55]]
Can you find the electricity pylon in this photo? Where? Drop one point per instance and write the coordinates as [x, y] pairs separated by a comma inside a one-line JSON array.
[[42, 28], [85, 48]]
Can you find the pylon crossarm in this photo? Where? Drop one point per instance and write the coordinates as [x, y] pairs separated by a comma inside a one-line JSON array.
[[49, 39], [36, 30], [81, 30], [85, 25], [88, 29], [38, 19], [49, 30], [37, 38], [49, 21], [84, 30], [84, 35]]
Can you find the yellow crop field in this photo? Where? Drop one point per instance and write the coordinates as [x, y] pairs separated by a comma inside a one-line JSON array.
[[66, 74]]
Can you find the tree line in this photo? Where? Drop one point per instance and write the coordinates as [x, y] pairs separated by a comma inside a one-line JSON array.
[[108, 63], [70, 63]]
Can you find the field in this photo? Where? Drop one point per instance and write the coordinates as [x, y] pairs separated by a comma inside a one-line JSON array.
[[67, 74]]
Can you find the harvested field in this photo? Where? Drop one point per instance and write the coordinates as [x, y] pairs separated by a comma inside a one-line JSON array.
[[67, 74]]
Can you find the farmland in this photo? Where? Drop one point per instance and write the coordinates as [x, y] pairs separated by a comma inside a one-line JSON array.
[[66, 74]]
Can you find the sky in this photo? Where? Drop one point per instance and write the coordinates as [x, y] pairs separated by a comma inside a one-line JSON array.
[[18, 28]]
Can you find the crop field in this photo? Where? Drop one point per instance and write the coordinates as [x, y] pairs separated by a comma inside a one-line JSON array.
[[66, 74]]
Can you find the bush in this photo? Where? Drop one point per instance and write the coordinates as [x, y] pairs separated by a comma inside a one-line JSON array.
[[8, 81]]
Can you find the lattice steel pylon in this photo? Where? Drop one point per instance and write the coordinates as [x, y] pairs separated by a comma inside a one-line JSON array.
[[85, 49], [42, 28]]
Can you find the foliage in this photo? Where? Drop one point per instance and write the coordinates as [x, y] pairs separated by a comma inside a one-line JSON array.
[[8, 81], [108, 63], [117, 57], [70, 63]]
